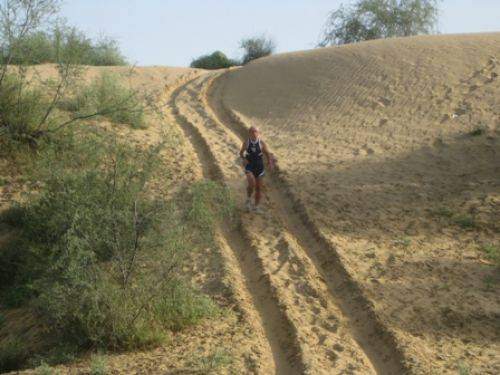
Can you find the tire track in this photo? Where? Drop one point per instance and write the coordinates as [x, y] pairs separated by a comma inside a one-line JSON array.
[[276, 326], [300, 291], [370, 333]]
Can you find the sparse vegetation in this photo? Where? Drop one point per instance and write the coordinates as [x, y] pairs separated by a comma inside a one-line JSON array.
[[403, 242], [44, 369], [106, 96], [253, 48], [213, 363], [256, 47], [57, 45], [29, 106], [477, 132], [375, 19], [216, 60], [463, 369], [465, 221], [492, 252], [98, 365], [443, 212]]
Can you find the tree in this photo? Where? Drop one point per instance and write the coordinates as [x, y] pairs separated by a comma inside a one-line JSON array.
[[216, 60], [28, 105], [256, 47], [375, 19]]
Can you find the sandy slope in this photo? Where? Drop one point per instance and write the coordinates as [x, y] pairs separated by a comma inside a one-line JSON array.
[[374, 141], [358, 264], [230, 336]]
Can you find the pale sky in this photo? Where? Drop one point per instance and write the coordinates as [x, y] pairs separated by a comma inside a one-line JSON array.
[[173, 32]]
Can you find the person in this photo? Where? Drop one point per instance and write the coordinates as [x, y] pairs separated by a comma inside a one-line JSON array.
[[252, 151]]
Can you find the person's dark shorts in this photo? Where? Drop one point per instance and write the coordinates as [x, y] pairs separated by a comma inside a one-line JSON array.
[[256, 169]]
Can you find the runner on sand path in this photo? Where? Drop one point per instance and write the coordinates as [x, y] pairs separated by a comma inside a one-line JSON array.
[[252, 151]]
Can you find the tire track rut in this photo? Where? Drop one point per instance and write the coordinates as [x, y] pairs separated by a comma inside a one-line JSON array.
[[279, 333], [368, 331], [315, 318], [315, 323]]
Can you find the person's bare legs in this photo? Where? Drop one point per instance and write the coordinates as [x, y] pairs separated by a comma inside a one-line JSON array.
[[259, 181], [250, 189], [251, 184]]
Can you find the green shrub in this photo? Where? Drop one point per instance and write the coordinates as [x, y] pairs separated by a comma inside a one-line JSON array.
[[216, 60], [492, 252], [256, 47], [59, 45], [208, 201], [109, 98], [13, 353], [99, 254], [212, 363], [44, 369], [22, 108], [183, 306], [98, 365], [465, 221]]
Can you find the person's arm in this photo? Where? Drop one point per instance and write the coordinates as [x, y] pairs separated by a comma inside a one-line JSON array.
[[269, 156], [242, 153]]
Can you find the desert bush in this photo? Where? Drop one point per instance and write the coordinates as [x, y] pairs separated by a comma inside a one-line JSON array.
[[28, 104], [182, 306], [465, 221], [107, 97], [256, 47], [13, 352], [54, 46], [99, 254], [375, 19], [45, 369], [492, 252], [22, 108], [98, 365], [216, 60]]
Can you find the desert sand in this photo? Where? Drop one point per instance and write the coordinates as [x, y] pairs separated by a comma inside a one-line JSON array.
[[367, 258], [385, 147]]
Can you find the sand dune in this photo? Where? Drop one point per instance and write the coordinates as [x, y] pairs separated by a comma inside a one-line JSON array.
[[368, 256], [392, 149]]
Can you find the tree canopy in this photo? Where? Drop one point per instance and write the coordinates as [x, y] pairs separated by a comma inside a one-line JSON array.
[[375, 19]]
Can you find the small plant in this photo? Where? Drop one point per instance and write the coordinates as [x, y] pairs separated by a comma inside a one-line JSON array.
[[98, 365], [44, 369], [488, 282], [492, 252], [214, 362], [391, 259], [183, 307], [477, 132], [465, 221], [445, 286], [403, 242], [463, 369], [444, 212]]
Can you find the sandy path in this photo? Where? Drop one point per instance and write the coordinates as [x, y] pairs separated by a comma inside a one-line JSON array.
[[314, 317], [241, 269]]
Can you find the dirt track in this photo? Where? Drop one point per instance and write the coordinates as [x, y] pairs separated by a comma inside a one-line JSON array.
[[312, 316]]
